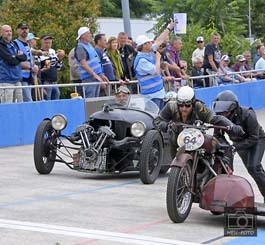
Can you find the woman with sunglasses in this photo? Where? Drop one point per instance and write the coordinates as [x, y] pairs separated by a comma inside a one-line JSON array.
[[187, 109]]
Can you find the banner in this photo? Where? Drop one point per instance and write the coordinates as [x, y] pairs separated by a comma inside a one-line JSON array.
[[181, 23]]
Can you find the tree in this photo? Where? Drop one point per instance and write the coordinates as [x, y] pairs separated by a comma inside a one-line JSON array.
[[258, 18], [60, 19]]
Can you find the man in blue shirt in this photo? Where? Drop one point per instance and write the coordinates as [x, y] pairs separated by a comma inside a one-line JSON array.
[[89, 64], [10, 69], [147, 66]]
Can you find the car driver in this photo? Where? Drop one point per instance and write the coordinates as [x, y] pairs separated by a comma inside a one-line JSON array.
[[122, 95]]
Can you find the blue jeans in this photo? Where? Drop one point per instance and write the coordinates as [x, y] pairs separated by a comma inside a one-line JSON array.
[[26, 92], [91, 91], [52, 93]]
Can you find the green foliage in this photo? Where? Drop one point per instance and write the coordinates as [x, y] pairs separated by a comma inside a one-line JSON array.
[[61, 19], [258, 18]]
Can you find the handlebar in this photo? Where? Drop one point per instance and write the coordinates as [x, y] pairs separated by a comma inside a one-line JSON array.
[[199, 125]]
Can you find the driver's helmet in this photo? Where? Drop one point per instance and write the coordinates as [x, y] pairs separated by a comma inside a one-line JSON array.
[[122, 94], [185, 95], [225, 101]]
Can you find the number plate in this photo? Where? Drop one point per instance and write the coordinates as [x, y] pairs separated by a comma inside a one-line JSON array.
[[192, 138]]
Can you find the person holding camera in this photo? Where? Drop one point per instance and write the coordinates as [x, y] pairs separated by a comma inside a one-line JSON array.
[[50, 66], [251, 145]]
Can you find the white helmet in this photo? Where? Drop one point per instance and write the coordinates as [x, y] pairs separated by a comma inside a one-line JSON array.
[[185, 95]]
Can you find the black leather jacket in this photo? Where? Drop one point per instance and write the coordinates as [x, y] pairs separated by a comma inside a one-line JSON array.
[[247, 119], [199, 112]]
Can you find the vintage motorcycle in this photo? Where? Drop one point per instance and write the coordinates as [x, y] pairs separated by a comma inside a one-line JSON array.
[[200, 157]]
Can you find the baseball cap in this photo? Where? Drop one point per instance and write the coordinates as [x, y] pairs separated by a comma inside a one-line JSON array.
[[22, 25], [81, 31], [142, 39], [225, 58], [200, 39], [32, 36], [240, 58], [45, 37], [123, 89]]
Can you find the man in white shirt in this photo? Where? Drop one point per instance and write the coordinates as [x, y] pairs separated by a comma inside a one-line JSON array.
[[260, 65], [199, 51]]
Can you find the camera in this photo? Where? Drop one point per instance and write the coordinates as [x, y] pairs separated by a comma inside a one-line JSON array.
[[240, 220]]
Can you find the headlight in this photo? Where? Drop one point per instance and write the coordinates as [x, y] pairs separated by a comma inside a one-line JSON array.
[[138, 129], [59, 122]]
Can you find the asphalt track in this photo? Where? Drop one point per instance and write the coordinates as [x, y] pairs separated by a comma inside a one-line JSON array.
[[73, 208]]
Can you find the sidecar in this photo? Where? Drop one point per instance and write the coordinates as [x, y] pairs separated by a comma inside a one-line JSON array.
[[117, 139], [229, 191]]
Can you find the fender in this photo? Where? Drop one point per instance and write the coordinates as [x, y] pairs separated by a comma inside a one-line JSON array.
[[181, 159]]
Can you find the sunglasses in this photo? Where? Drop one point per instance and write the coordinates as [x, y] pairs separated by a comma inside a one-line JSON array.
[[187, 105], [199, 41]]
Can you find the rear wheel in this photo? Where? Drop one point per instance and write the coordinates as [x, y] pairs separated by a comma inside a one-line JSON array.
[[44, 148], [151, 157], [179, 196]]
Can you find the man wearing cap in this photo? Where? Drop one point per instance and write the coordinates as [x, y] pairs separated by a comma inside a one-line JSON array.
[[90, 68], [227, 78], [28, 67], [240, 66], [122, 95], [147, 66], [10, 69], [32, 40], [50, 65], [199, 51], [212, 58]]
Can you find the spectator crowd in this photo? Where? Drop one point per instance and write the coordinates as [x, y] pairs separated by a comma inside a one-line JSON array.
[[156, 64]]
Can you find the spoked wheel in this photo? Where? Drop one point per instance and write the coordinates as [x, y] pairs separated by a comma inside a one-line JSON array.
[[44, 148], [179, 197], [151, 157]]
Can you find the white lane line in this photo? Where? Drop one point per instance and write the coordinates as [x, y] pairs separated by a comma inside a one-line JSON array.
[[87, 233]]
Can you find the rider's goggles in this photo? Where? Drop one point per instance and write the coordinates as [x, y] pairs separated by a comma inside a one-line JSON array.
[[187, 104]]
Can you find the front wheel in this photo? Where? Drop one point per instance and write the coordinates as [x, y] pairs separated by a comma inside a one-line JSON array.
[[44, 148], [151, 157], [179, 196]]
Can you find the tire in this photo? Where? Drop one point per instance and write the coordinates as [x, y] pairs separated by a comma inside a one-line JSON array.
[[167, 159], [179, 211], [151, 157], [164, 169], [44, 156]]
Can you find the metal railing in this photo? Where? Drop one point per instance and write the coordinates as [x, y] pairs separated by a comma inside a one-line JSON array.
[[116, 83]]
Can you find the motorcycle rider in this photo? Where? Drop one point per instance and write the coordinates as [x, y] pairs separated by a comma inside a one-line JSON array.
[[250, 147], [187, 109]]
